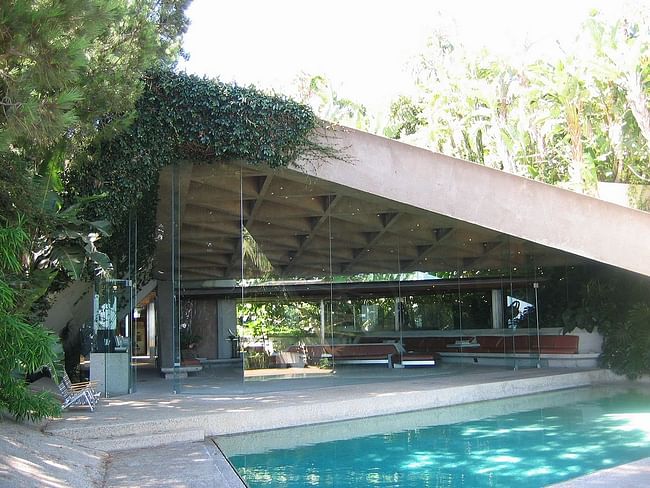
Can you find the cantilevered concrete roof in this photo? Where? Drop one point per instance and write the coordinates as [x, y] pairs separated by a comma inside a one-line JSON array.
[[386, 207]]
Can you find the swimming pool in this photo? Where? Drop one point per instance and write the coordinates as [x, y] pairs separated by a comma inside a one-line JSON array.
[[530, 441]]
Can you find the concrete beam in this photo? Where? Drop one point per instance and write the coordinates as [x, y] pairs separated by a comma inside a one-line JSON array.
[[486, 197]]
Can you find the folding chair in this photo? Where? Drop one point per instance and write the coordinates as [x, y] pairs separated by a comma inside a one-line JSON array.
[[79, 397], [76, 394], [88, 386]]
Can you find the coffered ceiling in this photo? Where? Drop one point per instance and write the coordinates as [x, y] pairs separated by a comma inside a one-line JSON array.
[[306, 227]]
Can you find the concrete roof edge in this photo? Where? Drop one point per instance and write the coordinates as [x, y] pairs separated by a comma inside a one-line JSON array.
[[459, 189]]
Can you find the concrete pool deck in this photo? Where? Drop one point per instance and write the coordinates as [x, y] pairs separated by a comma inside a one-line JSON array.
[[213, 406], [153, 435], [631, 475]]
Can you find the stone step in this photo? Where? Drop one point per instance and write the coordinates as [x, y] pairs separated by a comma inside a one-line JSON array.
[[131, 431], [128, 429], [137, 441]]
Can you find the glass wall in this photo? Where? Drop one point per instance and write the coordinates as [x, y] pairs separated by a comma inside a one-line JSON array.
[[110, 342], [268, 277], [284, 334]]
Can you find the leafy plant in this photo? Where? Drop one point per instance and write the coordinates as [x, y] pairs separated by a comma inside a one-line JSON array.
[[257, 360], [184, 117], [625, 349], [24, 348], [188, 340], [295, 319], [70, 73], [615, 302], [582, 117]]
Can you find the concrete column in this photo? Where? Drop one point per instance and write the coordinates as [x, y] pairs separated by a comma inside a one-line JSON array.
[[165, 324], [226, 323], [497, 309]]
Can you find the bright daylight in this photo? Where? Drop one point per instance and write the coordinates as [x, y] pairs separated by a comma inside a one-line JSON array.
[[345, 244]]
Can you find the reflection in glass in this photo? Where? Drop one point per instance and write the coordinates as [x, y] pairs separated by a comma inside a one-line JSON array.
[[281, 332]]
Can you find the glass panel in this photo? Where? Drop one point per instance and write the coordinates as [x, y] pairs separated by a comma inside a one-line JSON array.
[[176, 196], [188, 320], [110, 357], [366, 332], [285, 311], [211, 213], [262, 263], [132, 326]]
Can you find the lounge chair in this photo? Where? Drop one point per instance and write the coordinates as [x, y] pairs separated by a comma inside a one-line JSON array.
[[77, 397], [369, 353], [82, 385], [78, 394]]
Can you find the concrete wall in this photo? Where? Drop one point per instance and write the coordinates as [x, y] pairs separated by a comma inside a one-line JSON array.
[[211, 319], [204, 324], [227, 322], [589, 342], [165, 325]]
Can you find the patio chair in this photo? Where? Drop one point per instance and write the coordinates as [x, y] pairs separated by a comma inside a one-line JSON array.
[[80, 386], [78, 394], [77, 397]]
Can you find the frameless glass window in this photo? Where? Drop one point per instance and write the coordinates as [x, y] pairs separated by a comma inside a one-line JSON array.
[[285, 310]]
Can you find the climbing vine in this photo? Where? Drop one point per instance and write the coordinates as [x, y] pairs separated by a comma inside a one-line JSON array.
[[183, 117]]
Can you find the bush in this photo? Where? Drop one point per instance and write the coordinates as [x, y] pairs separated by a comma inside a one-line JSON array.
[[24, 348]]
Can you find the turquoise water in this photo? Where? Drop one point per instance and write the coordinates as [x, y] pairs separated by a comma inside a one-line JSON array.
[[529, 448]]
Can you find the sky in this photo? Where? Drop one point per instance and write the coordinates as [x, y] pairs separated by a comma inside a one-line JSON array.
[[362, 46]]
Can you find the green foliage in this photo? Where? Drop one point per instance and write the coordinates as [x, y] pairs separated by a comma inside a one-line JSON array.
[[254, 257], [616, 303], [59, 243], [325, 363], [295, 319], [625, 349], [24, 348], [581, 118], [405, 118], [257, 360], [188, 340], [72, 68], [70, 72], [318, 93], [183, 117]]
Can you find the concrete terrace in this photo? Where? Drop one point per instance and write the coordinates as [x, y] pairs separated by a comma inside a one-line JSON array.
[[211, 406], [153, 435]]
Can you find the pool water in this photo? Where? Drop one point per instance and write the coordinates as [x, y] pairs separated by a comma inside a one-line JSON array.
[[528, 448]]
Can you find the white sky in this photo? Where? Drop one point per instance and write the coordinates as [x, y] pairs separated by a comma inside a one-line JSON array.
[[362, 46]]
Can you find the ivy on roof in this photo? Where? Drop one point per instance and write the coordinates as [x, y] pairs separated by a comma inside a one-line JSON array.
[[182, 117]]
